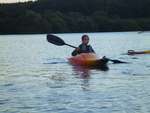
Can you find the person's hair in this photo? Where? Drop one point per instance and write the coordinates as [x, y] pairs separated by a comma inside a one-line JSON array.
[[84, 36]]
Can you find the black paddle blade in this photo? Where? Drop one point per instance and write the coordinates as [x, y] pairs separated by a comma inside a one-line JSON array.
[[117, 61], [114, 61], [55, 40]]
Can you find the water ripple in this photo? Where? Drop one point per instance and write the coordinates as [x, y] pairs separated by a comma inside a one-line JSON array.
[[36, 78]]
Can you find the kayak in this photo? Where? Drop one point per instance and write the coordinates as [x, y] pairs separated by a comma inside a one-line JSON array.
[[89, 60], [132, 52]]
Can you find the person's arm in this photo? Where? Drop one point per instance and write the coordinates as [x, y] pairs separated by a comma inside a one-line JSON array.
[[91, 49], [75, 52]]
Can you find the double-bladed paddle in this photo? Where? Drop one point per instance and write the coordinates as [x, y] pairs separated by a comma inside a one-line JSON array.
[[60, 42]]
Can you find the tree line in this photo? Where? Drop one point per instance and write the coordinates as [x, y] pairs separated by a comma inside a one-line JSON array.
[[61, 16]]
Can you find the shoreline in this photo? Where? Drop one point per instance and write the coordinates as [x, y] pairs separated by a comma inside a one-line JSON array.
[[139, 32]]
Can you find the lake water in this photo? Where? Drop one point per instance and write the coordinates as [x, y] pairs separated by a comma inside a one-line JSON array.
[[35, 76]]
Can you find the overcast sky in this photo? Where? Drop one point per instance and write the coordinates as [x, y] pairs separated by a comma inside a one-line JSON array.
[[11, 1]]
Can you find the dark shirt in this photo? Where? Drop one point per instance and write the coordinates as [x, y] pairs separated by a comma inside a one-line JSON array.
[[83, 49]]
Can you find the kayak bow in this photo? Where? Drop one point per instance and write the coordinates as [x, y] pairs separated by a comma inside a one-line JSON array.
[[89, 60]]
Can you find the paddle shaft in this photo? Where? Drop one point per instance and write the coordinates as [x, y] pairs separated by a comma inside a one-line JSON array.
[[70, 45]]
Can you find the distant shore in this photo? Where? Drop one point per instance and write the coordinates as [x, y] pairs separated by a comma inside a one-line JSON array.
[[73, 16], [139, 32]]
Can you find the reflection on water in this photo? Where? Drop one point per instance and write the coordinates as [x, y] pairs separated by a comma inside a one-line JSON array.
[[81, 71], [35, 76], [84, 75]]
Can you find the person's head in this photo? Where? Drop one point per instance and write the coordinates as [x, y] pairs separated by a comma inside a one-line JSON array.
[[85, 39]]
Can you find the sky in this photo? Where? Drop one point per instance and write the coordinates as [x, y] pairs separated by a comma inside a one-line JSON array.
[[12, 1]]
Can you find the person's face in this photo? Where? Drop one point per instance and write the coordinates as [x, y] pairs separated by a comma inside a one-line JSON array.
[[85, 40]]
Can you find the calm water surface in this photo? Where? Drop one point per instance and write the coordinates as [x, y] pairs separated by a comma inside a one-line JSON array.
[[35, 76]]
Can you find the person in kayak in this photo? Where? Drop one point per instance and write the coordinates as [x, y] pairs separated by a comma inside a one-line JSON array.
[[83, 47]]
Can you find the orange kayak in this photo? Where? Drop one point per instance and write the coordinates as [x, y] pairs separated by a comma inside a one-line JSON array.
[[132, 52], [89, 60]]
